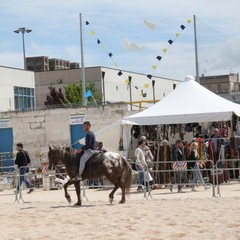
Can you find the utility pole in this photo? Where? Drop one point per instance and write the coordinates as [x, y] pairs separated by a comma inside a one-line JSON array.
[[82, 64], [196, 48]]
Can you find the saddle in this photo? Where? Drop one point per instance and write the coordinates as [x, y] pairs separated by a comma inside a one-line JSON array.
[[95, 160]]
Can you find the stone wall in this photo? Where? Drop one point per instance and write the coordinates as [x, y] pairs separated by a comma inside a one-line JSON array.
[[41, 128]]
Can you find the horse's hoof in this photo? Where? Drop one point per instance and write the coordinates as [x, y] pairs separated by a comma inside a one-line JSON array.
[[111, 200], [69, 200], [122, 202], [78, 204]]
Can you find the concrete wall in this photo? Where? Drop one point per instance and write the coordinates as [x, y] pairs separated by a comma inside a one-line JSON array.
[[39, 129]]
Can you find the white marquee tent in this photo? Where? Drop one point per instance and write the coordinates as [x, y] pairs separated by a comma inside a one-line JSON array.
[[190, 102]]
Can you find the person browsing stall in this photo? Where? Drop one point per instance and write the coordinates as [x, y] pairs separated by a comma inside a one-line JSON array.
[[140, 163], [178, 157], [195, 167], [147, 153]]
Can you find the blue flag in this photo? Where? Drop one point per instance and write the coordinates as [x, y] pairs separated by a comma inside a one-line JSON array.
[[88, 94]]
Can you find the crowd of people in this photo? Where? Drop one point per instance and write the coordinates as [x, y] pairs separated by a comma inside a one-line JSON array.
[[187, 160]]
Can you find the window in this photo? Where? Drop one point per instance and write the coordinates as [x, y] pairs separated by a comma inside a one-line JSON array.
[[219, 88], [24, 98]]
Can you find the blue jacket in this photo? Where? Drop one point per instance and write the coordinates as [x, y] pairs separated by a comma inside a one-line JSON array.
[[90, 141]]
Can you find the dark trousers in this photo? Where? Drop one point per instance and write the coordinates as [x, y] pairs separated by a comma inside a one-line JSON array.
[[179, 179], [22, 172]]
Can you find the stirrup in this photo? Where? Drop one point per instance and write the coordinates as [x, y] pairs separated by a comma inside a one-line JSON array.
[[78, 178]]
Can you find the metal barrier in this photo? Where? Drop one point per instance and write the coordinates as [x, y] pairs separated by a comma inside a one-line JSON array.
[[49, 180], [163, 177], [7, 178], [7, 160], [45, 180], [166, 176], [227, 170], [160, 174]]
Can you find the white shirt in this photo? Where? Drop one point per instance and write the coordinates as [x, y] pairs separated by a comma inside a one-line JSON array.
[[140, 158]]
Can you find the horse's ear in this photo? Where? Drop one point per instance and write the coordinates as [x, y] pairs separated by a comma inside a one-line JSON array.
[[50, 149]]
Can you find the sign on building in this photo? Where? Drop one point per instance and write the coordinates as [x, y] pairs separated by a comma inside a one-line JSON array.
[[4, 122], [77, 118]]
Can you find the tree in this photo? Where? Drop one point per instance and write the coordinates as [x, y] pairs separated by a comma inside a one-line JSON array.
[[54, 97], [73, 93]]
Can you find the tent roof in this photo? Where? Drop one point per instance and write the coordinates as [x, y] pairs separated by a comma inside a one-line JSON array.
[[190, 102]]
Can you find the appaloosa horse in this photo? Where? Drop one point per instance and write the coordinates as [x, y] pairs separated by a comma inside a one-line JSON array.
[[111, 165]]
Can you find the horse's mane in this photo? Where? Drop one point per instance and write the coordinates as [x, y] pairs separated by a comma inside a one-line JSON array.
[[71, 158], [63, 155]]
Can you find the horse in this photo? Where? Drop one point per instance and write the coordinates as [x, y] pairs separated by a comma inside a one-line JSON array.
[[111, 165]]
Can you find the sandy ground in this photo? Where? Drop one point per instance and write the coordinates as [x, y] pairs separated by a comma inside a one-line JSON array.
[[163, 215]]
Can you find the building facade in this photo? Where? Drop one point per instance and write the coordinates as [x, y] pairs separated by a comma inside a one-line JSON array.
[[221, 84], [43, 63], [17, 89], [113, 85]]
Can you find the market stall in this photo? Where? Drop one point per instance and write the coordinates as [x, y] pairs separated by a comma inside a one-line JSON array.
[[188, 109]]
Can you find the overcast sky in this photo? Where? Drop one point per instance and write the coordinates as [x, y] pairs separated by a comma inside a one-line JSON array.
[[148, 25]]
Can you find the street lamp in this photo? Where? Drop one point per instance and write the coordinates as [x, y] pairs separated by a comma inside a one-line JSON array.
[[23, 30]]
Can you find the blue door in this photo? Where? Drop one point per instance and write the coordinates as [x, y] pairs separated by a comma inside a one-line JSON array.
[[76, 134], [6, 148]]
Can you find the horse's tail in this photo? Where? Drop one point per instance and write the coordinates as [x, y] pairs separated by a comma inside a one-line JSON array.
[[127, 175]]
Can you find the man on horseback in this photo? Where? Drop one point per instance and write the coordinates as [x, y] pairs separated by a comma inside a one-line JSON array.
[[88, 149]]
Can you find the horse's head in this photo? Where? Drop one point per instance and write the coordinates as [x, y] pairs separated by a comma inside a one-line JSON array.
[[60, 155], [55, 155]]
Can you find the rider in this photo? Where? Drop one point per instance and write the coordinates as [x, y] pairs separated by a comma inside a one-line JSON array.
[[88, 148], [100, 147]]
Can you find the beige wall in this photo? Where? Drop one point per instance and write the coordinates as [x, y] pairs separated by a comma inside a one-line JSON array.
[[39, 129], [44, 79]]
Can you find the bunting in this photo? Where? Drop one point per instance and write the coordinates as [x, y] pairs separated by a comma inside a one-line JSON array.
[[110, 54], [165, 49], [129, 46], [133, 46]]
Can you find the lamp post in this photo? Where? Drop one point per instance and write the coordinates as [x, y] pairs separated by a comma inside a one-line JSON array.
[[23, 30]]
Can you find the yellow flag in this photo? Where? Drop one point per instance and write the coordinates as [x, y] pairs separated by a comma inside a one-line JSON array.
[[146, 85], [164, 50], [92, 33], [189, 20], [154, 67], [177, 34], [127, 81]]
